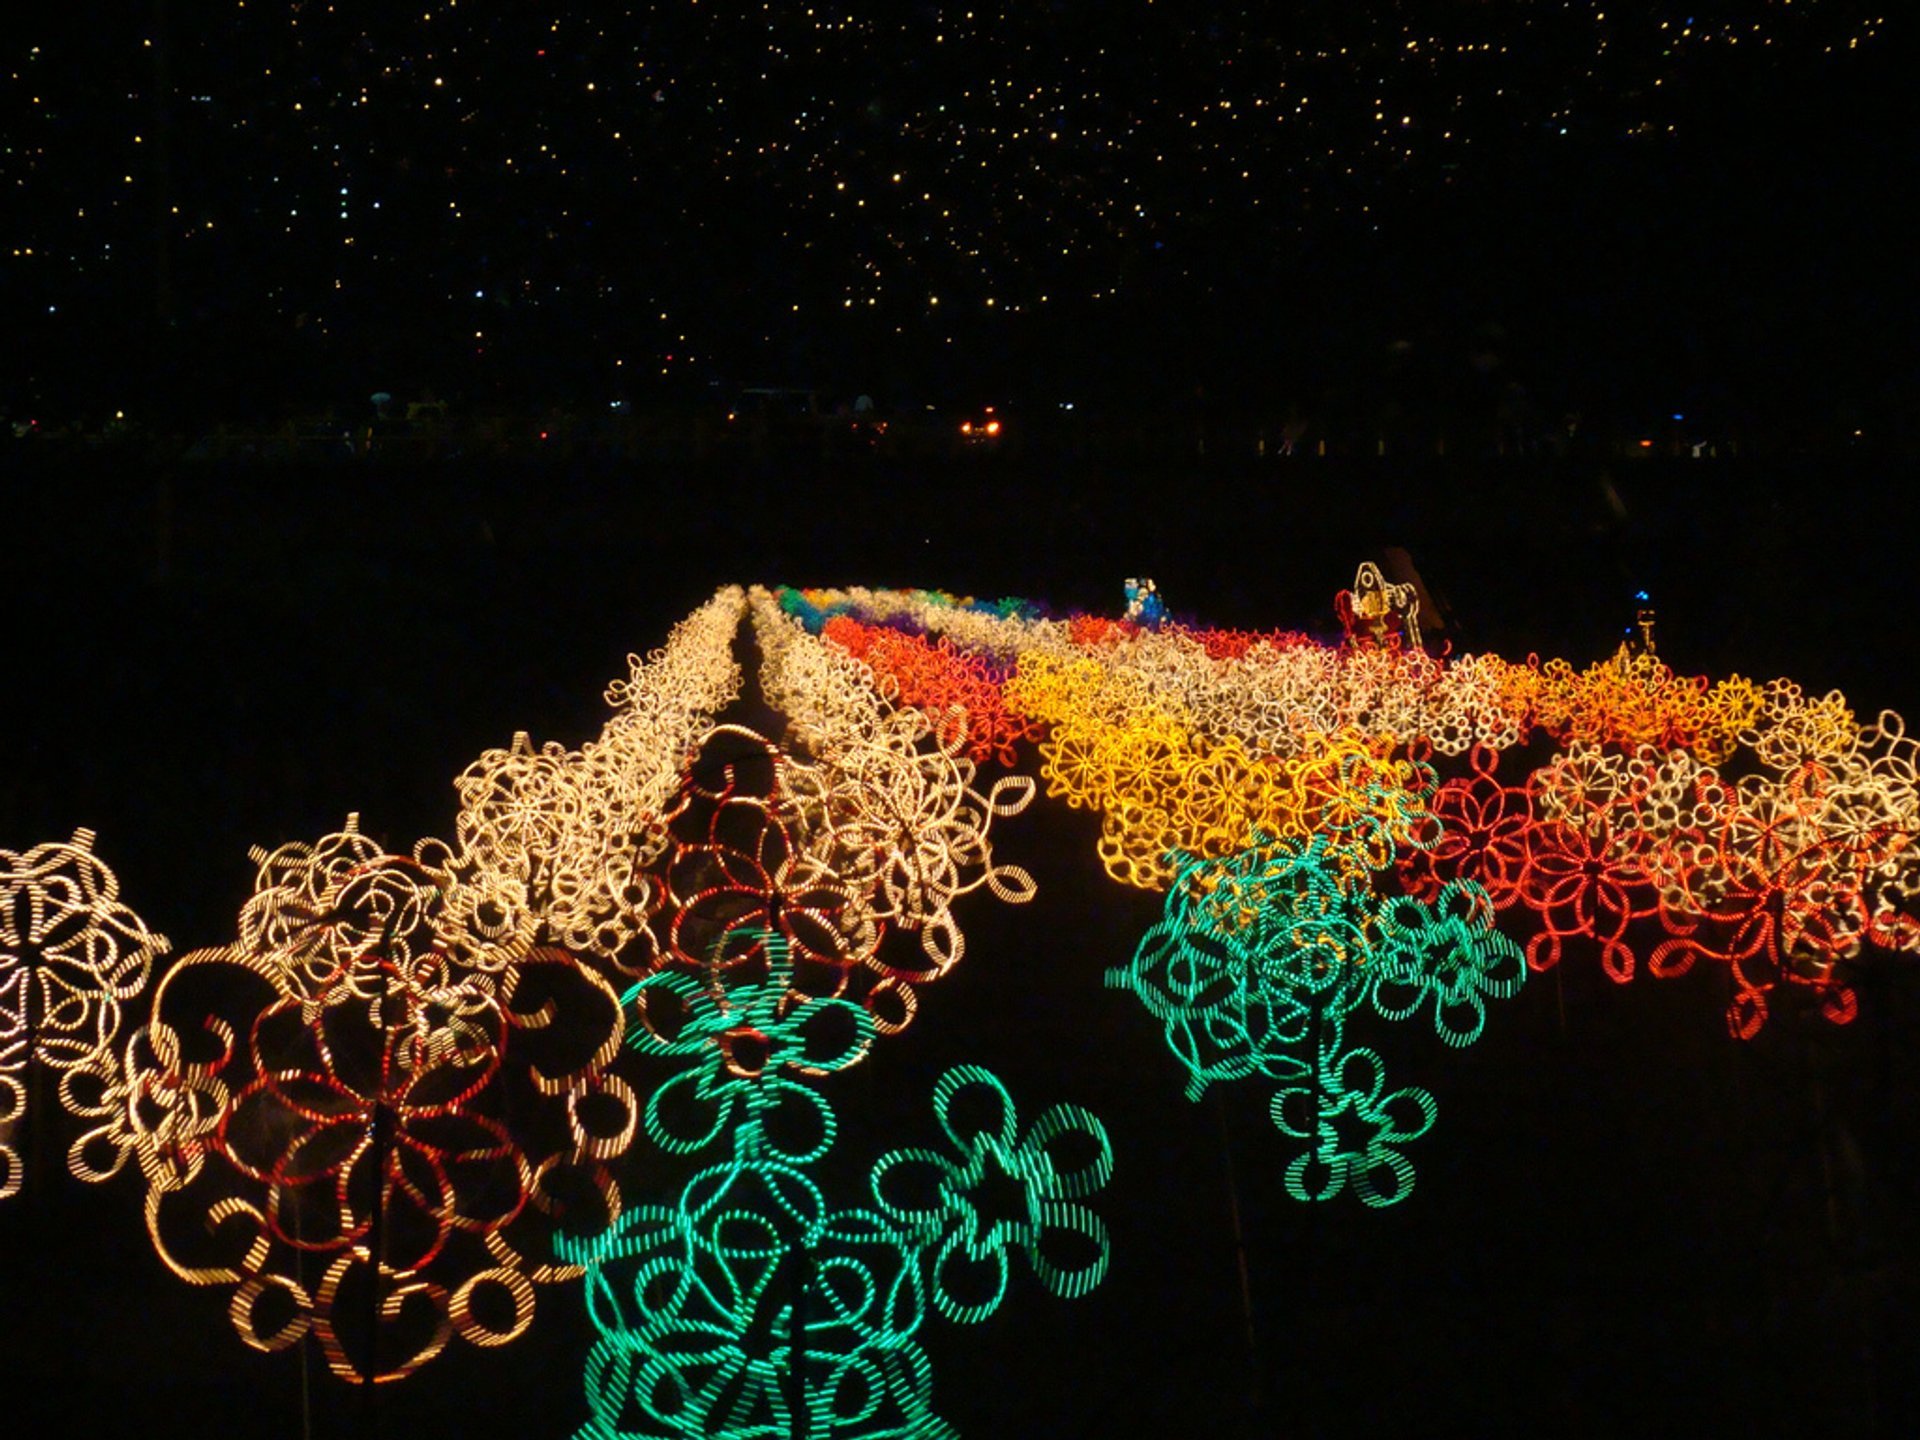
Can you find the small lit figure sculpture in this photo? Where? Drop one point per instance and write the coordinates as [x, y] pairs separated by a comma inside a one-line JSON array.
[[1378, 614], [1643, 619], [1144, 605]]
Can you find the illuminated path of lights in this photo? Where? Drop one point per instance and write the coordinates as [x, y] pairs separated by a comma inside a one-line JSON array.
[[593, 1037]]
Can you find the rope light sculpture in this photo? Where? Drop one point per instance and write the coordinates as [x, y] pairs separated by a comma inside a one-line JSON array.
[[1634, 843], [895, 805], [406, 1096], [361, 1127], [1261, 957], [566, 839], [1377, 612], [754, 1309], [1634, 834], [73, 959]]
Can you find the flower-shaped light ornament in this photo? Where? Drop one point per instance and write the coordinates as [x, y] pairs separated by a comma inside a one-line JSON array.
[[370, 1112], [72, 957], [1369, 804], [907, 830], [752, 1311], [1775, 902], [365, 1132], [744, 1037], [741, 866], [1255, 955], [380, 1151], [1005, 1192], [1586, 886], [1447, 952], [1479, 833], [1219, 1026], [1354, 1126]]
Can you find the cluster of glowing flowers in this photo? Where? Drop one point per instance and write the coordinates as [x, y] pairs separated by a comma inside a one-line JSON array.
[[559, 842], [749, 1041], [950, 686], [959, 1209], [1273, 693], [1655, 858], [1791, 727], [1271, 690], [1774, 910], [754, 1310], [318, 906], [1635, 699], [1001, 630], [376, 1154], [1231, 644], [889, 804], [858, 894], [1163, 788], [1260, 959], [928, 610], [72, 959]]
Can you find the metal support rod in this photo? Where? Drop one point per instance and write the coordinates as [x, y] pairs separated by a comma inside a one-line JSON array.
[[1255, 1387]]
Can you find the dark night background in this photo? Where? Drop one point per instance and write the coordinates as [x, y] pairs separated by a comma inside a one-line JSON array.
[[1384, 216], [1625, 1223]]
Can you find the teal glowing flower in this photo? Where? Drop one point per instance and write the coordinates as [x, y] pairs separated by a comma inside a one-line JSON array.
[[1450, 953], [1005, 1192], [1295, 909], [753, 1312], [1221, 1024], [1355, 1125], [744, 1038], [1255, 954]]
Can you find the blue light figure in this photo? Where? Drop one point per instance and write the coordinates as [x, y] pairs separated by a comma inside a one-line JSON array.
[[1144, 605]]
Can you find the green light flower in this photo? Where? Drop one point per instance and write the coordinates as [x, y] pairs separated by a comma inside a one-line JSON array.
[[750, 1311], [1450, 953], [1354, 1125], [1219, 1025], [745, 1038], [1006, 1192]]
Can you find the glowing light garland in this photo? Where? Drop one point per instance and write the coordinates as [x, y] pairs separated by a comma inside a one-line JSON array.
[[1778, 876], [72, 958], [381, 1147], [386, 1114], [755, 1310]]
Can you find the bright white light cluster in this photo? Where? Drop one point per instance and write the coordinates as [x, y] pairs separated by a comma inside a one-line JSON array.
[[563, 836], [71, 958], [893, 799]]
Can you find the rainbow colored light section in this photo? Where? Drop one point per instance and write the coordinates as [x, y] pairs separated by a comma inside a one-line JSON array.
[[415, 1091]]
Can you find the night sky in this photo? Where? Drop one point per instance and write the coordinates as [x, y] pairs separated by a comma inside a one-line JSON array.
[[279, 203]]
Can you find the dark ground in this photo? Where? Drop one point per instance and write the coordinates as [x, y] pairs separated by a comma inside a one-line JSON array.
[[1625, 1222]]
